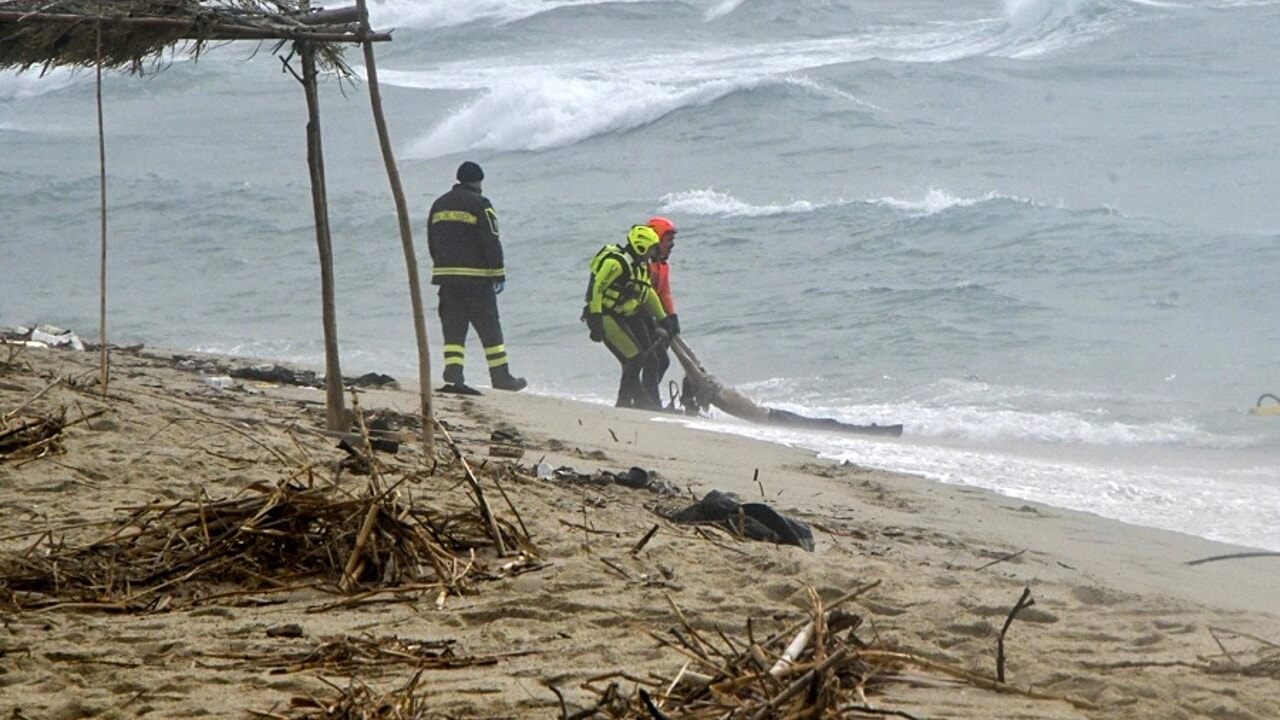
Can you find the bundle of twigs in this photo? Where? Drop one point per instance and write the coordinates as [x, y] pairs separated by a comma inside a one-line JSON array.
[[31, 437], [272, 538], [815, 669], [805, 671], [25, 435], [360, 702]]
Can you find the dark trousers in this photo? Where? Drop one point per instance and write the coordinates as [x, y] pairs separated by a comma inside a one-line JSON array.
[[631, 340], [464, 303]]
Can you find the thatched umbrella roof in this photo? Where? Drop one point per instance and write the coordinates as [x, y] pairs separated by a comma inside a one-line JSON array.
[[54, 33]]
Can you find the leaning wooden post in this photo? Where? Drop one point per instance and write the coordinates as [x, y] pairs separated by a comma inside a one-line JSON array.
[[335, 405], [406, 236]]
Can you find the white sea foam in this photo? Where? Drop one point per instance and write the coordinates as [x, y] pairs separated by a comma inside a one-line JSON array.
[[1168, 496], [430, 15], [715, 202], [540, 112], [16, 85], [722, 8]]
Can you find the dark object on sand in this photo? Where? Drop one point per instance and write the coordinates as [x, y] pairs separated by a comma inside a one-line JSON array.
[[702, 390], [755, 521], [277, 374], [374, 380]]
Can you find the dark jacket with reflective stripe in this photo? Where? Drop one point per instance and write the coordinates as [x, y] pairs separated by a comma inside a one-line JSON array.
[[462, 235]]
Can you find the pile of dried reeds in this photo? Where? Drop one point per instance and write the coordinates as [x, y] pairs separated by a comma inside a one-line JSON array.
[[269, 539]]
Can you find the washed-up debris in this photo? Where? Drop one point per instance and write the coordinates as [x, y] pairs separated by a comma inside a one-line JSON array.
[[636, 478], [817, 667], [755, 521], [349, 655], [507, 442], [26, 434], [277, 538], [42, 336], [31, 437]]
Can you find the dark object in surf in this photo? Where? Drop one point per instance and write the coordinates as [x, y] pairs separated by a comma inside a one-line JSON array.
[[783, 417], [702, 390]]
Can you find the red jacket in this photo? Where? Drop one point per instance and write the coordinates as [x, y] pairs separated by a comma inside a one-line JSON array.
[[660, 274]]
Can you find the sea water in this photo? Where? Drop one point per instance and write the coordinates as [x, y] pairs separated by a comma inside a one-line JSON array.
[[1043, 235]]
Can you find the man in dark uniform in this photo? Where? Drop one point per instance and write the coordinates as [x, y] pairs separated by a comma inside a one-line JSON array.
[[462, 235]]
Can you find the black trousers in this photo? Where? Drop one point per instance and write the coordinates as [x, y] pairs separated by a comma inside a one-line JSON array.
[[466, 303], [631, 339]]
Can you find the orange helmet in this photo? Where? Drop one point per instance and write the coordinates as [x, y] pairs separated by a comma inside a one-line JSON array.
[[662, 226], [667, 231]]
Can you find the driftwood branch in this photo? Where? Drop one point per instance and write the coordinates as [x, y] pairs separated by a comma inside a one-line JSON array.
[[1023, 602], [485, 512], [1233, 556]]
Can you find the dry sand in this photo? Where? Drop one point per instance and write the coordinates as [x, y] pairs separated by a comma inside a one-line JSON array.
[[1121, 623]]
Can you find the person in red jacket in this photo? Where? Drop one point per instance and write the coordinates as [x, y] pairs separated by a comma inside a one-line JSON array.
[[660, 276]]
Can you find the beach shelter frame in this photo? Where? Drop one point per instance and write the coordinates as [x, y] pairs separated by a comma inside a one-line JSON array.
[[131, 34]]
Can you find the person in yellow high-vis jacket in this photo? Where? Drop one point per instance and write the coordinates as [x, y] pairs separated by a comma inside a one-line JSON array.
[[625, 314], [467, 264]]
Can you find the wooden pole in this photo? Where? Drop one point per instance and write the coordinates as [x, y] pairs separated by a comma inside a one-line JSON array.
[[406, 238], [335, 403], [102, 199]]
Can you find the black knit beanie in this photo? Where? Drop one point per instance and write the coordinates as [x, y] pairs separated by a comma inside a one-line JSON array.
[[469, 172]]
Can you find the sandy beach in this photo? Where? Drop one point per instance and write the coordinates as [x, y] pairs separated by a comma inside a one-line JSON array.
[[1122, 626]]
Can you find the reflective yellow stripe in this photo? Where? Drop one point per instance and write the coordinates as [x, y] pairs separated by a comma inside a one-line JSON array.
[[496, 355], [468, 272], [461, 216]]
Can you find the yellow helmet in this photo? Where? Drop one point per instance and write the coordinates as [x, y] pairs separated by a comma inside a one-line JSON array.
[[642, 239]]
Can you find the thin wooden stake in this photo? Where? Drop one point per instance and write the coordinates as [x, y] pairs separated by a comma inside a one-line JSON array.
[[102, 193], [406, 235], [1023, 602]]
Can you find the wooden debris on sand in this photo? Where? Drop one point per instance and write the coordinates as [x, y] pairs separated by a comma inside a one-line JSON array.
[[25, 435], [819, 668], [269, 539], [359, 655]]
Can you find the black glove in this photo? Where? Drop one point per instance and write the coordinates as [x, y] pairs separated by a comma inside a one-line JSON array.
[[671, 324], [595, 323]]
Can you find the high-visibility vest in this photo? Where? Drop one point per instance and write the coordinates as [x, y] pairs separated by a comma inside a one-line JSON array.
[[618, 282]]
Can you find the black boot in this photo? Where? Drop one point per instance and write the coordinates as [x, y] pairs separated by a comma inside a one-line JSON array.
[[502, 379], [453, 375], [630, 394]]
